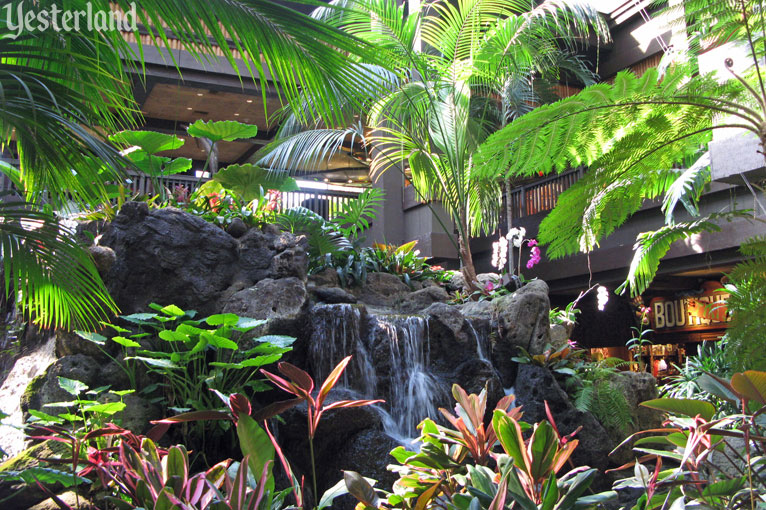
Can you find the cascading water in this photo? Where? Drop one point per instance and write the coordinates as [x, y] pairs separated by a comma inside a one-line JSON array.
[[410, 391], [481, 348]]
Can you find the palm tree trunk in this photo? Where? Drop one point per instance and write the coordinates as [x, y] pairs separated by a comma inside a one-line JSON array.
[[469, 272]]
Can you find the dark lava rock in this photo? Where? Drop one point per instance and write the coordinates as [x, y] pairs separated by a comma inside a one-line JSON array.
[[333, 295], [103, 258], [523, 321], [269, 299], [535, 386], [381, 289], [168, 256], [237, 228], [327, 277], [422, 299]]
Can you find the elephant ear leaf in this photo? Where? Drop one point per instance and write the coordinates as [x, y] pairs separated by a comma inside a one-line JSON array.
[[251, 182], [150, 142], [226, 130]]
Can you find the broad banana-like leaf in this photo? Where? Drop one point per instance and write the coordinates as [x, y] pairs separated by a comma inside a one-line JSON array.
[[685, 406], [252, 182], [255, 443], [226, 130], [150, 142]]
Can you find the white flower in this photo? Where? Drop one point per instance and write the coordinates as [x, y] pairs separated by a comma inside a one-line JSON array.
[[516, 236], [499, 253], [602, 297]]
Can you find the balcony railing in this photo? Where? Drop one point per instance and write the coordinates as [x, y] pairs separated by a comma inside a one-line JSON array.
[[325, 203], [541, 196]]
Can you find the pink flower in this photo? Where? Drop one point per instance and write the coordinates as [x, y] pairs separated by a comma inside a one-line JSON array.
[[534, 257], [532, 242], [489, 287]]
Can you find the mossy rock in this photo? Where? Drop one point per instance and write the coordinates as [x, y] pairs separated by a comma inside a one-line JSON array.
[[30, 398], [31, 457], [26, 496]]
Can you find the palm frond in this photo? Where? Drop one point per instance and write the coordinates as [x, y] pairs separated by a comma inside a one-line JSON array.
[[306, 151], [54, 278]]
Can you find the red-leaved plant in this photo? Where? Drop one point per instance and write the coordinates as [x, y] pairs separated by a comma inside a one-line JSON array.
[[300, 384]]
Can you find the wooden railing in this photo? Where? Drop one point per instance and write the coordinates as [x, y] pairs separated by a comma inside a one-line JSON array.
[[326, 203], [542, 195]]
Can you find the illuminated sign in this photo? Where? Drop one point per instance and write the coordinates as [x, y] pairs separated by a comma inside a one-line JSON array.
[[700, 312]]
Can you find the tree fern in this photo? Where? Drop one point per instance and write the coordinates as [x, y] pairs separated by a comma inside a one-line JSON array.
[[746, 334], [650, 247]]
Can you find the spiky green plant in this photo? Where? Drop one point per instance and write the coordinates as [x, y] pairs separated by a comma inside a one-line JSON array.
[[633, 133]]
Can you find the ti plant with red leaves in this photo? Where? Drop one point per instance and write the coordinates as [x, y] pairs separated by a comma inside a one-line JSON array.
[[463, 469], [477, 438], [300, 384], [715, 463]]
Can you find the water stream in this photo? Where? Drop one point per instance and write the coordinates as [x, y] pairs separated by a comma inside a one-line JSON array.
[[398, 345]]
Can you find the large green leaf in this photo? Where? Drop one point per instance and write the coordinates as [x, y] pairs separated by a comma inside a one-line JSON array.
[[255, 443], [683, 406], [72, 386], [150, 142], [252, 182], [226, 130], [751, 384]]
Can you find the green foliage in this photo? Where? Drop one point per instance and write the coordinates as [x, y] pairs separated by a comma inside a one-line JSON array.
[[324, 237], [251, 182], [711, 357], [450, 470], [226, 130], [56, 282], [715, 463], [632, 133], [355, 216], [193, 357], [746, 333], [594, 392], [436, 107]]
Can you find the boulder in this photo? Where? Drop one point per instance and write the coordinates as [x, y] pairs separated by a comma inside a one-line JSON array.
[[523, 321], [476, 309], [333, 295], [69, 343], [269, 299], [367, 453], [255, 251], [237, 228], [476, 375], [46, 389], [69, 498], [559, 336], [23, 495], [327, 277], [535, 386], [422, 299], [452, 339], [137, 414], [167, 256], [103, 258], [381, 289], [639, 387]]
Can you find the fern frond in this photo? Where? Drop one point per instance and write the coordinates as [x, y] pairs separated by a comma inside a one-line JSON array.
[[650, 247], [356, 215], [687, 188], [323, 236]]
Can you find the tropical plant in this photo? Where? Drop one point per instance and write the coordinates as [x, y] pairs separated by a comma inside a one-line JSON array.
[[711, 358], [63, 91], [633, 133], [593, 391], [336, 235], [461, 468], [440, 105], [300, 384], [193, 356], [47, 274], [716, 463], [746, 332]]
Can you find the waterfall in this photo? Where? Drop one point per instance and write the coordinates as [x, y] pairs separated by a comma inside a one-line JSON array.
[[397, 344], [481, 348]]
